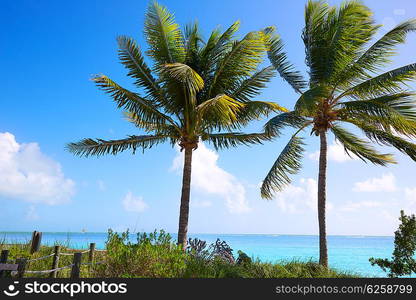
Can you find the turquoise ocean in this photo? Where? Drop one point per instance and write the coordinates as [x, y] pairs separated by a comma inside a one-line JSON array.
[[350, 253]]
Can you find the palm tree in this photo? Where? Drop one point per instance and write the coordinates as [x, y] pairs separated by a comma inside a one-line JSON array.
[[195, 90], [347, 85]]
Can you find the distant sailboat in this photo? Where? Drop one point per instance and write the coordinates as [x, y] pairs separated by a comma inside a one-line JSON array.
[[83, 230]]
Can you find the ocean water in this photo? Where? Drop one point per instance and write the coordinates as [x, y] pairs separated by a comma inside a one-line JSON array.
[[349, 253]]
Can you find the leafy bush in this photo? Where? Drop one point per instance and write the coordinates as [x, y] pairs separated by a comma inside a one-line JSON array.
[[156, 255], [403, 261]]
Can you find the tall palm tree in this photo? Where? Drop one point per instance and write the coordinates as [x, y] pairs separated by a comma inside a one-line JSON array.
[[347, 85], [195, 90]]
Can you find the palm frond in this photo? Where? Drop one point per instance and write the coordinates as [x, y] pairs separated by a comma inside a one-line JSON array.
[[359, 147], [132, 102], [240, 61], [193, 41], [288, 163], [279, 60], [333, 37], [275, 125], [218, 112], [386, 138], [251, 86], [163, 36], [396, 111], [185, 75], [217, 45], [234, 139], [389, 82], [132, 58], [378, 55], [307, 104], [255, 110], [152, 127], [98, 147]]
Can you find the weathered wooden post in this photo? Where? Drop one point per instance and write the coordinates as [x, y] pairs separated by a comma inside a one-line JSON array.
[[55, 261], [3, 260], [76, 265], [21, 267], [91, 253], [36, 240]]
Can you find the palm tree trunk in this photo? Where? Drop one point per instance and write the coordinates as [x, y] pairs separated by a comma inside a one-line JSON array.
[[323, 251], [186, 190]]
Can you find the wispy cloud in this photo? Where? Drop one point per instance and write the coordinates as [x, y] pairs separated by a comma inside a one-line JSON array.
[[27, 174], [385, 183], [132, 203], [300, 198], [31, 214], [209, 178]]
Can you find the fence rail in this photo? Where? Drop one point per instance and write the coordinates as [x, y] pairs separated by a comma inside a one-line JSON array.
[[18, 268]]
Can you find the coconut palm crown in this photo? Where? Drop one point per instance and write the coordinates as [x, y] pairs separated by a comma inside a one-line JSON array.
[[348, 84], [195, 90]]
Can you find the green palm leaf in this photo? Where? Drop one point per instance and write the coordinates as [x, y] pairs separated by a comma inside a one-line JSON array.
[[242, 59], [279, 60], [275, 125], [378, 55], [386, 138], [218, 112], [388, 82], [360, 148], [132, 58], [251, 86], [98, 147], [163, 36], [288, 163], [234, 139], [190, 79], [132, 102]]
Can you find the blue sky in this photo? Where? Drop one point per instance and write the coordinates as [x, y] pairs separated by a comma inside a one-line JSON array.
[[48, 52]]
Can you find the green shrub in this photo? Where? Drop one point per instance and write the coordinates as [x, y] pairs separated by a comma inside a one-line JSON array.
[[403, 260], [156, 255], [153, 255]]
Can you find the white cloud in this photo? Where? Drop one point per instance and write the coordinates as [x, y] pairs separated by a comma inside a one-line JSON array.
[[27, 174], [336, 153], [31, 214], [208, 177], [300, 198], [386, 183], [201, 203], [354, 206], [132, 203]]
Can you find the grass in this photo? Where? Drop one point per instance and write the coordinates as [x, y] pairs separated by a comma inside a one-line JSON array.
[[157, 256], [22, 250]]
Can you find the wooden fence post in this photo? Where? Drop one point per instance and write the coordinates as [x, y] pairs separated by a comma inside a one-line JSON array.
[[55, 261], [21, 267], [91, 253], [3, 260], [76, 265], [36, 240]]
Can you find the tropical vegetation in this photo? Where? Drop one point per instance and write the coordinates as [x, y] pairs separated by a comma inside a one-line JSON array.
[[403, 261], [156, 255], [196, 90], [348, 90]]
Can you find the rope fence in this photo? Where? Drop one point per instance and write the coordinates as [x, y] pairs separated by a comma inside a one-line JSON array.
[[17, 268], [40, 258], [49, 271]]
